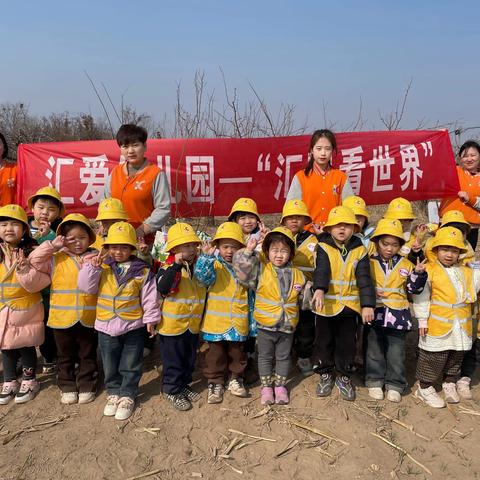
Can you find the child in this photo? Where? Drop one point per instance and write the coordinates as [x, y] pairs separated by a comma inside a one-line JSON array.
[[444, 312], [225, 323], [394, 277], [342, 289], [182, 308], [48, 210], [21, 312], [72, 312], [127, 300], [110, 211], [295, 217], [278, 286], [359, 207]]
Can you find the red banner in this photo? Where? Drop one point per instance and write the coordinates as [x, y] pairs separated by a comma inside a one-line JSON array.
[[207, 175]]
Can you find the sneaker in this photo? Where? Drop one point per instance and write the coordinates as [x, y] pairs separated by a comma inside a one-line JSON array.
[[305, 366], [48, 368], [345, 387], [28, 390], [430, 397], [179, 401], [86, 397], [325, 385], [281, 395], [394, 396], [463, 388], [190, 394], [69, 398], [267, 397], [235, 387], [376, 393], [215, 393], [450, 392], [8, 392], [111, 405], [125, 408]]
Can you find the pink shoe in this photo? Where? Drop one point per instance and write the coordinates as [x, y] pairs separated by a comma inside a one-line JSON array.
[[281, 396], [267, 396]]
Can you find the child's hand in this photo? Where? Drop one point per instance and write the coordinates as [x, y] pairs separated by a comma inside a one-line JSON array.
[[151, 329], [43, 227], [421, 265], [179, 258], [379, 293], [422, 331], [317, 228], [208, 248], [142, 247], [252, 244], [23, 265], [97, 259], [367, 315], [58, 242], [318, 299]]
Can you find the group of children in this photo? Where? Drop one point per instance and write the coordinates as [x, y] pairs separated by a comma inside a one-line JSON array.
[[279, 293]]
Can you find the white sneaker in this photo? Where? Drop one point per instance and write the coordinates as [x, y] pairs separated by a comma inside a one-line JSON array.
[[69, 398], [28, 390], [376, 393], [430, 397], [463, 388], [125, 408], [394, 396], [450, 392], [235, 386], [111, 406], [305, 366], [9, 390], [86, 397]]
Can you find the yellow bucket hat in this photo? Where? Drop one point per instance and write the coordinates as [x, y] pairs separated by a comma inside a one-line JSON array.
[[283, 231], [230, 230], [341, 214], [449, 237], [386, 226], [244, 205], [47, 192], [399, 209], [121, 233], [15, 212], [111, 209], [77, 217], [295, 207], [357, 204], [179, 234]]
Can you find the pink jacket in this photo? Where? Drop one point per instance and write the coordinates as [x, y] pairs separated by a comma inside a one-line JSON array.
[[23, 328]]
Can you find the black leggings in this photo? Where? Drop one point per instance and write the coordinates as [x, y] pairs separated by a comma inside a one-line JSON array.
[[472, 237], [28, 356]]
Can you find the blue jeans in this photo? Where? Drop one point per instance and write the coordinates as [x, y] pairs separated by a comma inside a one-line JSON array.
[[385, 359], [122, 359]]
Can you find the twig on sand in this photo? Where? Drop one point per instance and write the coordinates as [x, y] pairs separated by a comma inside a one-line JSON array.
[[452, 411], [251, 436], [402, 450], [405, 425], [291, 444], [236, 470], [232, 445], [146, 474], [468, 411], [444, 434], [315, 430]]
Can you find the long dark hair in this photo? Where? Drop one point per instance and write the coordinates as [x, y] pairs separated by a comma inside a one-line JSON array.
[[5, 146], [317, 135]]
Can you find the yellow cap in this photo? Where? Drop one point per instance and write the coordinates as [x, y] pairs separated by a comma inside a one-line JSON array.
[[449, 237], [341, 214], [111, 209], [244, 205], [179, 234], [282, 231], [295, 207], [357, 204], [121, 233], [77, 217], [453, 216], [386, 226], [230, 230], [47, 192], [399, 209], [15, 212]]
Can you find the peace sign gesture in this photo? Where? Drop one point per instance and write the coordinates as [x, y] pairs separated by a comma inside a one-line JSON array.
[[421, 265], [96, 259]]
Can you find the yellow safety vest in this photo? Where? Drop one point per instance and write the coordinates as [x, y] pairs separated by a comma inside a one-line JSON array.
[[12, 294], [121, 301], [463, 259], [227, 304], [304, 258], [269, 304], [446, 306], [343, 290], [393, 285], [68, 304], [183, 311]]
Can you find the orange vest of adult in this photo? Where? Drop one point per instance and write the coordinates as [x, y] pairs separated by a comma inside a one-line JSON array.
[[135, 192], [8, 184]]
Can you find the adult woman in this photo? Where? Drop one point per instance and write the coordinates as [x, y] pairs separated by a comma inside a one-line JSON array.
[[319, 185], [468, 198], [8, 176]]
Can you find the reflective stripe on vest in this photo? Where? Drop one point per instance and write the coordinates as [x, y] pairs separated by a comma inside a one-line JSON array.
[[12, 294]]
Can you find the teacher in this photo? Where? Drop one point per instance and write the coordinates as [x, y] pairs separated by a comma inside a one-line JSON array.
[[468, 198], [319, 185], [8, 176]]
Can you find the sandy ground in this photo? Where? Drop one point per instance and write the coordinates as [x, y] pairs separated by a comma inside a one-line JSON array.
[[201, 444]]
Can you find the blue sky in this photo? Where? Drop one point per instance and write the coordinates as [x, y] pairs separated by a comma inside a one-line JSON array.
[[303, 53]]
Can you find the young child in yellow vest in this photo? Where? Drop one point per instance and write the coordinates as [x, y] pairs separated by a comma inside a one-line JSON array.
[[359, 208], [182, 308], [444, 313], [394, 277], [72, 312], [225, 322], [278, 286], [295, 217], [127, 301], [21, 312], [48, 209], [245, 212], [343, 289]]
